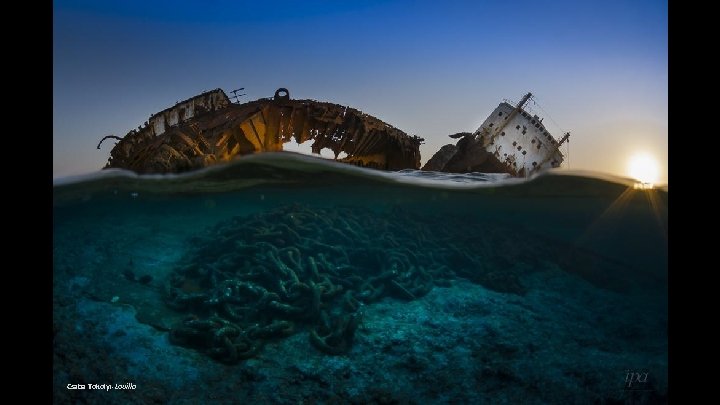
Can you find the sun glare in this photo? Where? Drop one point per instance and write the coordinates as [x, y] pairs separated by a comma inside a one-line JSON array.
[[644, 168]]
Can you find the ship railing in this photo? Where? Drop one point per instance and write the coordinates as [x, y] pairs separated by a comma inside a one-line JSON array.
[[527, 108]]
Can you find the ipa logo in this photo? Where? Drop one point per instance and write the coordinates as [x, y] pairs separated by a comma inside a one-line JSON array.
[[636, 380]]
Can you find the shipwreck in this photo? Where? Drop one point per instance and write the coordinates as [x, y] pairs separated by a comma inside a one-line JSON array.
[[209, 128], [510, 140]]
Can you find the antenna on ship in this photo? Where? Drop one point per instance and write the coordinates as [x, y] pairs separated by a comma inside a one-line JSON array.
[[236, 96], [567, 150], [566, 138]]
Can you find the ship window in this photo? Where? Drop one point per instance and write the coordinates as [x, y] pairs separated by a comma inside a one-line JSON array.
[[517, 127], [502, 133], [524, 152], [500, 114], [491, 124], [532, 122], [538, 147], [504, 154], [534, 163], [519, 147], [524, 132], [533, 141], [515, 143], [537, 125]]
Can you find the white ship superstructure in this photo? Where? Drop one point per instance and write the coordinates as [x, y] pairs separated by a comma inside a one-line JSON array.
[[519, 139]]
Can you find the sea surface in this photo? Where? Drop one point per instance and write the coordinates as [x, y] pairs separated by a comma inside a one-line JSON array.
[[287, 279]]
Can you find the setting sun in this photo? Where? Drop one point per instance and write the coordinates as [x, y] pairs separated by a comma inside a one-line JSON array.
[[644, 168]]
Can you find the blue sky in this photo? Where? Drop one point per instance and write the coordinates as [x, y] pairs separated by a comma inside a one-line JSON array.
[[431, 68]]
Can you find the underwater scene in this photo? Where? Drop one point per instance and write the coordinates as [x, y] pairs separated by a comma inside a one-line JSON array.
[[287, 279]]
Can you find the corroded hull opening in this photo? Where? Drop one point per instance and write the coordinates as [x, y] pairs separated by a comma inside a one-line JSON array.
[[209, 129]]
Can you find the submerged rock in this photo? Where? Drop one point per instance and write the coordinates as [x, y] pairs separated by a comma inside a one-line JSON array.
[[440, 158], [471, 156], [146, 279]]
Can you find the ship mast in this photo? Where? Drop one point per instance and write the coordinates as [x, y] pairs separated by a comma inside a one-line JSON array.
[[522, 102]]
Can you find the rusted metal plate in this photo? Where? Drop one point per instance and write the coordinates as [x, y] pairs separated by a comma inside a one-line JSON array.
[[271, 117], [227, 130], [251, 135]]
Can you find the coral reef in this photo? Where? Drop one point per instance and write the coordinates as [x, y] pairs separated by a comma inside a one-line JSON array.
[[269, 275]]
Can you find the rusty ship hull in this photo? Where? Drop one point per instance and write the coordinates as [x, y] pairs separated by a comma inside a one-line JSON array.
[[209, 129]]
